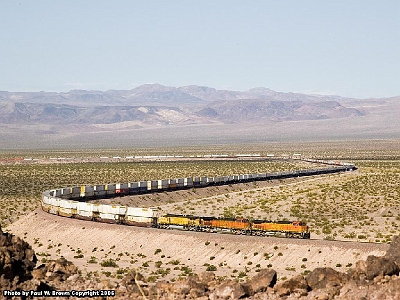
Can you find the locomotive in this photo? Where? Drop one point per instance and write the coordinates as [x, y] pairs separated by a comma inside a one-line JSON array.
[[295, 229]]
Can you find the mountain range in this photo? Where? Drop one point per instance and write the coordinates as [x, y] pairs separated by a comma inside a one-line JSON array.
[[162, 108], [156, 104]]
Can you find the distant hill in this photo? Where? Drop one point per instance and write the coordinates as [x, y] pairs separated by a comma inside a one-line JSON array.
[[256, 114], [154, 104]]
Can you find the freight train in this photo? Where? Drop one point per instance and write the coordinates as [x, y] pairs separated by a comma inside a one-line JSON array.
[[73, 202], [149, 217]]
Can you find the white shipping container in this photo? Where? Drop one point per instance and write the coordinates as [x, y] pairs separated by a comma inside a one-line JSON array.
[[68, 204], [85, 206], [109, 216], [112, 209], [96, 207], [54, 201], [85, 213], [140, 212], [46, 200]]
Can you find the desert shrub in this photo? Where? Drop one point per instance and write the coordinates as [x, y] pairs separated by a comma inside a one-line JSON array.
[[211, 268], [109, 263]]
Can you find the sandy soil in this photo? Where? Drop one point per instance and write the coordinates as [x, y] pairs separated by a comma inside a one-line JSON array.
[[182, 252]]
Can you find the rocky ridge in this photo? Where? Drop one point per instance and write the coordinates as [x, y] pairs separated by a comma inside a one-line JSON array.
[[374, 278], [150, 105]]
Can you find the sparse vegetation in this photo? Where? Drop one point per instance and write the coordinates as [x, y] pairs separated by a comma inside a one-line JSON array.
[[109, 263], [361, 205], [211, 268]]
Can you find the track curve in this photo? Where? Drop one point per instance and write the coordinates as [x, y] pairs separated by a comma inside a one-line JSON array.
[[72, 202]]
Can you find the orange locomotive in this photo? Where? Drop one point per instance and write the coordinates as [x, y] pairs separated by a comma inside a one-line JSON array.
[[236, 226], [295, 229]]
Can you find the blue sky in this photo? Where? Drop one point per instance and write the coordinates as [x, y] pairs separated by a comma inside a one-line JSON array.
[[347, 48]]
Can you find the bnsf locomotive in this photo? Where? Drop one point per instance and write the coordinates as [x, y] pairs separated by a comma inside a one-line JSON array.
[[294, 229]]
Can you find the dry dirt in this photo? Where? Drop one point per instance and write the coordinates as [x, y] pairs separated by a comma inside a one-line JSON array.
[[133, 247]]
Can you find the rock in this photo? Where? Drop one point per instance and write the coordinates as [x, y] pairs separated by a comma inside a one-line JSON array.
[[55, 270], [189, 285], [17, 258], [388, 291], [163, 285], [73, 277], [17, 263], [229, 290], [374, 266], [380, 266], [394, 250], [322, 296], [260, 282], [296, 284], [320, 277], [132, 281], [132, 276], [35, 285], [206, 277]]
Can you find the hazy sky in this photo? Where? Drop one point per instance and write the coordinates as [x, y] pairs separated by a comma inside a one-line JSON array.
[[348, 48]]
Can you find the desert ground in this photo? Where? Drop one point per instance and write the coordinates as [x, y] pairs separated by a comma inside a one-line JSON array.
[[171, 254], [351, 215]]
